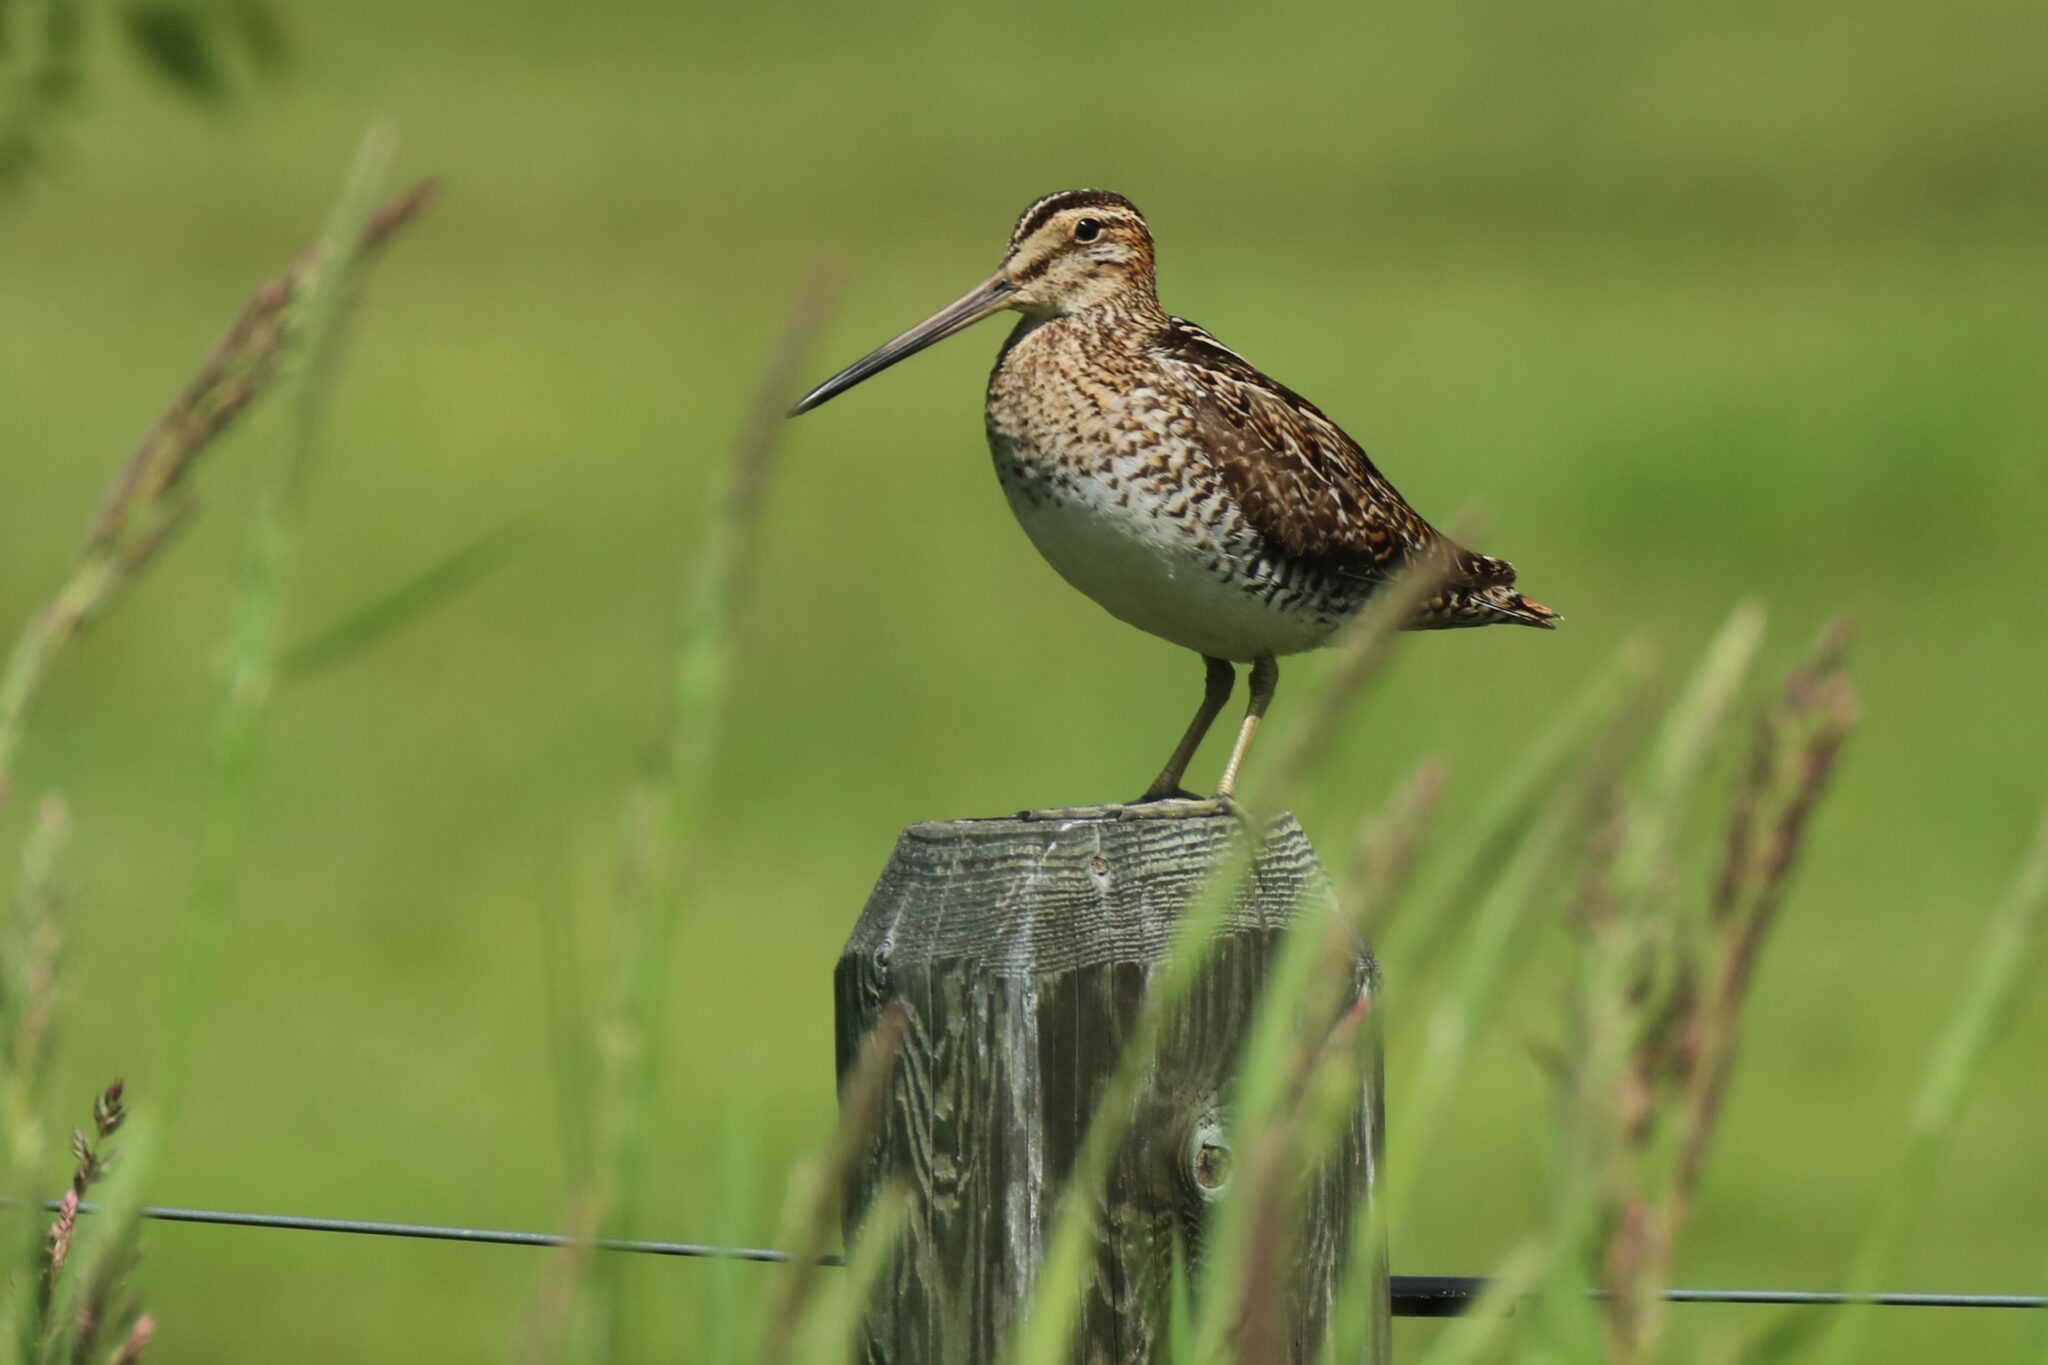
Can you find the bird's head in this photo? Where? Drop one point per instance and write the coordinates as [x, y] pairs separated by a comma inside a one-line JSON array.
[[1076, 250], [1070, 252]]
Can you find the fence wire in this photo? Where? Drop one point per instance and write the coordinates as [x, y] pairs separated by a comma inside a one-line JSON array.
[[1414, 1296]]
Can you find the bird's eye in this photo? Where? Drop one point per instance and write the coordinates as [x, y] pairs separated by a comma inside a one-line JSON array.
[[1087, 230]]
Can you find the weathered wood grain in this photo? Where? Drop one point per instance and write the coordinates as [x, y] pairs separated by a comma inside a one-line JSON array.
[[1022, 950]]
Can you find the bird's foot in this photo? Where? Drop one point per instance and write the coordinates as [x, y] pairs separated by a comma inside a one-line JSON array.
[[1184, 806], [1179, 806], [1109, 811]]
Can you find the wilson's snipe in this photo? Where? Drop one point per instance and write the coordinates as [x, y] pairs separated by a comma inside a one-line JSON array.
[[1164, 476]]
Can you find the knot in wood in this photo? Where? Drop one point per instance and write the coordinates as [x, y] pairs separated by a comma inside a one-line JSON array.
[[1209, 1159]]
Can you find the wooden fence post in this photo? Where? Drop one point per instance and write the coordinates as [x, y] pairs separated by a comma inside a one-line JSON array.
[[1021, 951]]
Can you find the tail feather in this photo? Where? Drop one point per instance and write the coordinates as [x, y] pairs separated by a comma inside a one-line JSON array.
[[1525, 611]]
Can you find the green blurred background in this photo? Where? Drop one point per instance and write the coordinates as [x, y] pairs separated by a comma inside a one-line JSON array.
[[1691, 302]]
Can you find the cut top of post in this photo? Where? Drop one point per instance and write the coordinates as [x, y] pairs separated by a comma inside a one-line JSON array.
[[1030, 896]]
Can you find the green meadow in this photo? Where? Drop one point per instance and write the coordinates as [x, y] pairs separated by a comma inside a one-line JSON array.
[[1681, 304]]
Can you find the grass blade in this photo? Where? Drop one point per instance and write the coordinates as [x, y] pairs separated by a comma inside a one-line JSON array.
[[2005, 958], [568, 1040], [829, 1329], [395, 610]]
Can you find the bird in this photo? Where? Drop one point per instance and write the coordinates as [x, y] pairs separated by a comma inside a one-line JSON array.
[[1176, 484]]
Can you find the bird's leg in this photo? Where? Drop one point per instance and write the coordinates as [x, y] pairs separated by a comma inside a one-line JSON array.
[[1265, 678], [1215, 692]]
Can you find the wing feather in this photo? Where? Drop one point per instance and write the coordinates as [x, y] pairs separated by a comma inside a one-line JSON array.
[[1300, 481]]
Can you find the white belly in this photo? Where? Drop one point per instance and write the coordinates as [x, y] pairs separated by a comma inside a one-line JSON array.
[[1153, 572]]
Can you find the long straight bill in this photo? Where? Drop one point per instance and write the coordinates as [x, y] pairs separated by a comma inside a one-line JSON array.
[[991, 296]]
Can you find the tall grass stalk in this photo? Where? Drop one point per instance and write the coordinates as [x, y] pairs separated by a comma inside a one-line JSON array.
[[665, 812], [569, 1020], [305, 358], [1688, 735], [1297, 1069], [1307, 1047], [31, 945], [1629, 970], [88, 1312], [1599, 724], [63, 1289], [1661, 968], [680, 785], [1662, 972], [1689, 1033], [797, 1315], [2006, 955], [93, 1313], [153, 496], [305, 322], [1467, 871], [828, 1326], [727, 1291], [31, 942], [1527, 834]]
